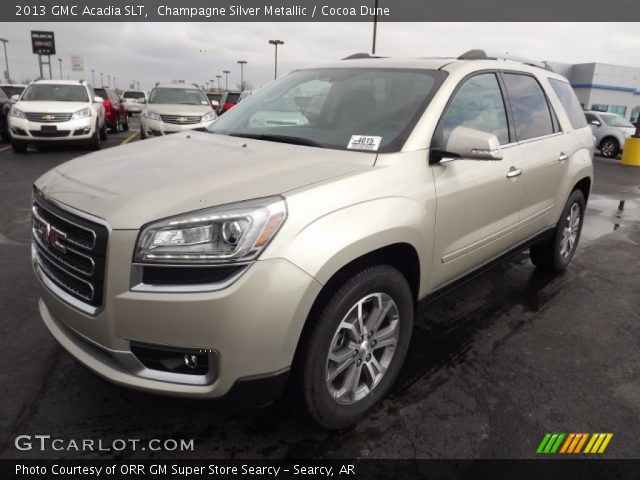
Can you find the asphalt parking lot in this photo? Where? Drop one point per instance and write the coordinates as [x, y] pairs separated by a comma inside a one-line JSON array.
[[493, 366]]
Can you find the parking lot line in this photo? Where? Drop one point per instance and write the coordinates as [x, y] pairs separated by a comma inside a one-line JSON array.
[[129, 138], [4, 149]]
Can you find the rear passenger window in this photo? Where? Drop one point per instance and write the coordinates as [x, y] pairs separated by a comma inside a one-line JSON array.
[[531, 113], [570, 102], [477, 104]]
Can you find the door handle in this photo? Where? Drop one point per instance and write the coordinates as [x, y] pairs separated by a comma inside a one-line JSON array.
[[514, 172], [563, 157]]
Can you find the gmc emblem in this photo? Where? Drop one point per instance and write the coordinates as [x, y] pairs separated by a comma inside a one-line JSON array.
[[49, 234]]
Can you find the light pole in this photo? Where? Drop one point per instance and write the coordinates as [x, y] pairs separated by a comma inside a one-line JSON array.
[[213, 82], [108, 81], [375, 28], [101, 80], [114, 83], [93, 77], [275, 43], [6, 59], [218, 77], [226, 79], [60, 62], [242, 64]]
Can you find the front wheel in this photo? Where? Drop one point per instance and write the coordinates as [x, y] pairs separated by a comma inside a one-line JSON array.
[[356, 347], [609, 148], [556, 253], [103, 132]]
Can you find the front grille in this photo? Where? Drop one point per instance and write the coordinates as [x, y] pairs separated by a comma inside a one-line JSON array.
[[49, 134], [43, 117], [70, 250], [180, 119]]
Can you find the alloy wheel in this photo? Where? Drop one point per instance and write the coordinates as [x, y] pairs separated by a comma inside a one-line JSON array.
[[570, 231]]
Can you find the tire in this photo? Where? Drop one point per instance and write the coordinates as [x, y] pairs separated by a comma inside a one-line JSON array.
[[329, 403], [125, 125], [19, 147], [554, 254], [143, 136], [95, 139], [609, 147], [115, 127], [103, 132]]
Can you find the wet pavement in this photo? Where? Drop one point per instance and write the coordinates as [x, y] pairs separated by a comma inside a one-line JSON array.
[[493, 366]]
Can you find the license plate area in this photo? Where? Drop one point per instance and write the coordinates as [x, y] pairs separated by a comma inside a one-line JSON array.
[[49, 128]]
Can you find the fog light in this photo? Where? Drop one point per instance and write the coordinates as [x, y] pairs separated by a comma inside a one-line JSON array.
[[190, 360]]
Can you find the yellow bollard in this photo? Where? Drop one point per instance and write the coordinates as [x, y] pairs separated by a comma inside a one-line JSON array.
[[631, 152]]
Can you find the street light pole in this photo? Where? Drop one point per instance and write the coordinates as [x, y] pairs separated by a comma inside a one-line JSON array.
[[242, 64], [375, 28], [114, 83], [108, 81], [93, 77], [226, 79], [276, 43], [6, 59], [60, 62], [218, 77], [101, 80]]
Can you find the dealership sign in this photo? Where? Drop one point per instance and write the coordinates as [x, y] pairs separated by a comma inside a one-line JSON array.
[[77, 63], [43, 43]]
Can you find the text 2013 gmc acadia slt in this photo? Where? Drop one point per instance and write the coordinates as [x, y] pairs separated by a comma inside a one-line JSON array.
[[293, 242]]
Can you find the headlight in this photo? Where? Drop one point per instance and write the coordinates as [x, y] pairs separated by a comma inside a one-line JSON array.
[[84, 113], [208, 117], [234, 232], [151, 115], [17, 113]]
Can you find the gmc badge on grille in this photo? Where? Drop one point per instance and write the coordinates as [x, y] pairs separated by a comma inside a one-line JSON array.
[[48, 234]]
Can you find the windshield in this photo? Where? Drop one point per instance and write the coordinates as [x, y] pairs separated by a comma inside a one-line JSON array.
[[133, 95], [101, 92], [232, 98], [371, 109], [616, 121], [55, 93], [214, 96], [10, 91], [181, 96]]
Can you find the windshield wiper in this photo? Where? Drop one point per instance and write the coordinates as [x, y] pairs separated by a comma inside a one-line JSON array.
[[279, 138]]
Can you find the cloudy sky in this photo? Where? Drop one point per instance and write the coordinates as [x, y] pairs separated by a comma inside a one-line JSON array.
[[150, 52]]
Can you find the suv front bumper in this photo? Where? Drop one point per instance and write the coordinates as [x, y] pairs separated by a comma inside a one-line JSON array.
[[156, 128], [25, 131], [251, 328]]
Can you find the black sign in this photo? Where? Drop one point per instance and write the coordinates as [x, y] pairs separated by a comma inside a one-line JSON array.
[[43, 43]]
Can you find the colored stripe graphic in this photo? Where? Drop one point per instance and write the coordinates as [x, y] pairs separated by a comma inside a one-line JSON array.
[[574, 442]]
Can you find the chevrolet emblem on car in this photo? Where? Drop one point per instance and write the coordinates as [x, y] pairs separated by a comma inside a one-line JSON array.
[[48, 117]]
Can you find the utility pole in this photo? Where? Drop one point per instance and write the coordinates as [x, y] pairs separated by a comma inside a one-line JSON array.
[[218, 77], [60, 62], [242, 64], [276, 43], [6, 58], [375, 28], [226, 79]]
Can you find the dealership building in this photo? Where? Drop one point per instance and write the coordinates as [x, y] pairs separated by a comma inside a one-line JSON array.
[[604, 87]]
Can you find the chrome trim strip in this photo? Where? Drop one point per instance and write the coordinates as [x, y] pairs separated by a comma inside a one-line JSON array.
[[55, 278], [75, 211], [59, 292], [60, 260], [137, 285]]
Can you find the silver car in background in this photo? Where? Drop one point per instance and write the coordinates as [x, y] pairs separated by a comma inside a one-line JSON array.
[[610, 131], [135, 100]]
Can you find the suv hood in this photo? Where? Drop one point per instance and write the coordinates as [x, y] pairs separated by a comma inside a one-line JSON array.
[[50, 107], [173, 109], [132, 185]]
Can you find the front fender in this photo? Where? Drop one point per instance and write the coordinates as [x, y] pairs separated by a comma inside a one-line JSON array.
[[332, 241]]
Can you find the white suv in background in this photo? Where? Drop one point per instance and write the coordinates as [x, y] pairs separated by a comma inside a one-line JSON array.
[[135, 100], [173, 108], [55, 111]]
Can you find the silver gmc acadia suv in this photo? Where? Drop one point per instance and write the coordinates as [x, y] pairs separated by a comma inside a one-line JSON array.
[[270, 252]]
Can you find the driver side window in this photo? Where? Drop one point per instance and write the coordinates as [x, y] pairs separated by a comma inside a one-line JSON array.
[[477, 104]]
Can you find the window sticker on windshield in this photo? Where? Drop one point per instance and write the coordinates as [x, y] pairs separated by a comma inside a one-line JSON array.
[[364, 142]]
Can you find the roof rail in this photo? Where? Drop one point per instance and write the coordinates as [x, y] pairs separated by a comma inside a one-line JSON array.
[[478, 54], [356, 56]]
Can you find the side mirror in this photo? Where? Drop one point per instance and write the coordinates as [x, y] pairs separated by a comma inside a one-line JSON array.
[[141, 100], [97, 99], [474, 144], [15, 98], [595, 122]]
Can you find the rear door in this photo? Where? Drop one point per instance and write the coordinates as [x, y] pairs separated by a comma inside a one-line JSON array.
[[478, 201], [543, 146]]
